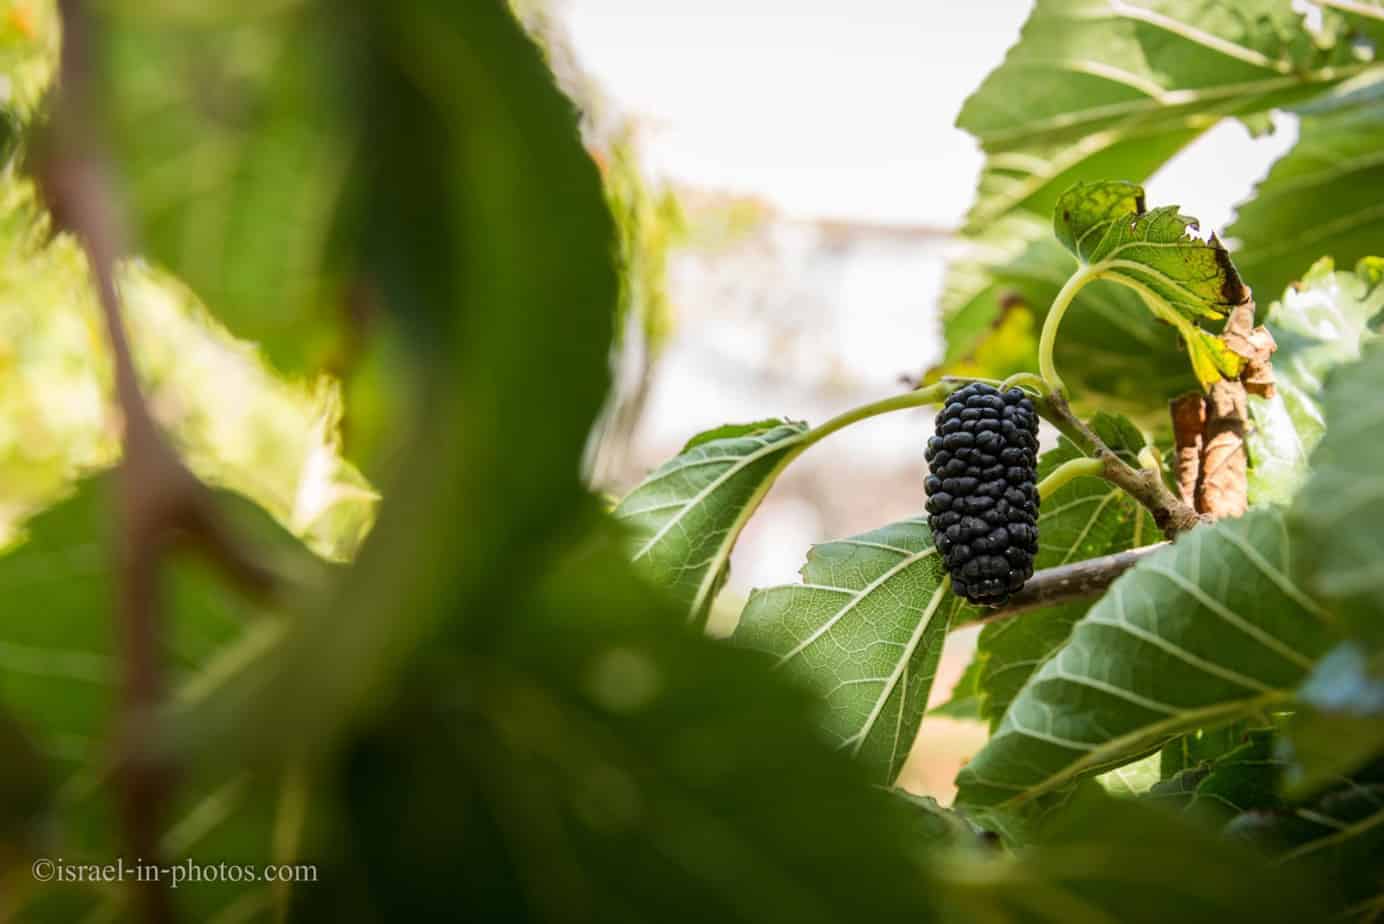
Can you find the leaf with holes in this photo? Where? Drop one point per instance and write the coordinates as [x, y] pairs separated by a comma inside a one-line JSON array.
[[1110, 346], [1206, 631], [684, 518], [1086, 518], [867, 626], [1098, 90], [1182, 279]]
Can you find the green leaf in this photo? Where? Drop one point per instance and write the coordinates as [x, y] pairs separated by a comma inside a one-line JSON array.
[[1091, 92], [866, 627], [1132, 779], [228, 131], [1245, 779], [1318, 325], [646, 767], [1371, 271], [26, 792], [237, 423], [1116, 353], [1106, 223], [1336, 514], [934, 825], [1310, 204], [1086, 518], [1337, 839], [1206, 631], [1338, 725], [1199, 747], [1029, 181], [1110, 859], [734, 431], [684, 518], [60, 676], [1365, 15], [1078, 70], [481, 223], [1182, 279], [29, 38], [1115, 91]]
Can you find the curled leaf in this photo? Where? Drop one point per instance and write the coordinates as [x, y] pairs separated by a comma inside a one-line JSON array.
[[1181, 278]]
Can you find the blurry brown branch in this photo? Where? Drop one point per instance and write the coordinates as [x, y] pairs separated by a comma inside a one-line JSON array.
[[160, 501], [1079, 581]]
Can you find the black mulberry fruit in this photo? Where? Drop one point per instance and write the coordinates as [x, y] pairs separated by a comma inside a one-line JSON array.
[[982, 498]]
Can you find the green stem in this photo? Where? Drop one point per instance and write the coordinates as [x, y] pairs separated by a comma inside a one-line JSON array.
[[932, 394], [1048, 339], [1072, 468], [1036, 382]]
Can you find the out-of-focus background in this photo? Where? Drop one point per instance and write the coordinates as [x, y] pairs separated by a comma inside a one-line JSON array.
[[809, 178]]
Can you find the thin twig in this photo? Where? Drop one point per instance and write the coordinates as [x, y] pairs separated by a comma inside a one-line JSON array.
[[160, 501], [77, 190], [1146, 486], [1078, 581]]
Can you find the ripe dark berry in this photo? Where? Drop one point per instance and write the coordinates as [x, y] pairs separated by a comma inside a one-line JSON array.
[[982, 494]]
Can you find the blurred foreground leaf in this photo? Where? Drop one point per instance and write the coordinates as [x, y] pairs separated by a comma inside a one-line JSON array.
[[599, 761], [1336, 837], [1106, 859], [226, 121], [1338, 726], [60, 676], [1335, 517], [238, 424], [479, 218]]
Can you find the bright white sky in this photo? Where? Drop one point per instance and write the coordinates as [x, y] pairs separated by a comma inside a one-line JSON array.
[[840, 108]]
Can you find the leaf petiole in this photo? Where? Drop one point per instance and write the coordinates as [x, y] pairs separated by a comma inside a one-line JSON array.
[[1021, 379], [1066, 472], [931, 394], [1047, 340]]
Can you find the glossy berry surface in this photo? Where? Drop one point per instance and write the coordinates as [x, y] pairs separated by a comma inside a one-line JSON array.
[[982, 491]]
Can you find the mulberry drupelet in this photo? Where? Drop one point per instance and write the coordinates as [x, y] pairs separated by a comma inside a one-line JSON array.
[[982, 499]]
